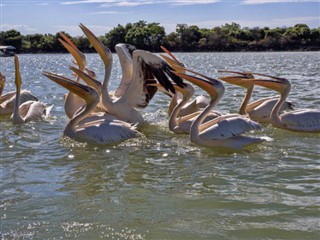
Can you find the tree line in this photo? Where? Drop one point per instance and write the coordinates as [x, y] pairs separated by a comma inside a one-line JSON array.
[[149, 36]]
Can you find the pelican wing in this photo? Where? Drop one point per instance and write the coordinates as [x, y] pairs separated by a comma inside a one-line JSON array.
[[263, 107], [105, 131], [229, 127], [148, 67], [302, 120], [7, 100], [32, 111]]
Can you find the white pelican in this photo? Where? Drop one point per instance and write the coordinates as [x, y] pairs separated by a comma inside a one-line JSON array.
[[300, 120], [260, 109], [181, 123], [135, 95], [195, 105], [7, 100], [224, 131], [29, 110], [98, 128], [71, 101]]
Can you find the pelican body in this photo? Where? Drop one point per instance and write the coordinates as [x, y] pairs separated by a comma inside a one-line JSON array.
[[223, 131], [7, 100], [300, 120], [192, 106], [260, 109], [29, 110], [93, 128], [135, 94]]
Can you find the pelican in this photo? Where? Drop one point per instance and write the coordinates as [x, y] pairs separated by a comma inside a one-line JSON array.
[[71, 101], [300, 120], [99, 128], [7, 100], [135, 94], [29, 110], [195, 105], [258, 110], [224, 131], [181, 123]]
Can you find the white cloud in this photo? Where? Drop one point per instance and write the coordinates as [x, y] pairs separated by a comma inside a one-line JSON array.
[[109, 3], [193, 2], [103, 12], [74, 30], [43, 4], [88, 1], [19, 27], [251, 2], [127, 3]]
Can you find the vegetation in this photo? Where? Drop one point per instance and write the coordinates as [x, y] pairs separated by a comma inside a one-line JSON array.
[[149, 36]]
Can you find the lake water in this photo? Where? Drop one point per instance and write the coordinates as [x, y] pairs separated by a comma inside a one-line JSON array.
[[161, 186]]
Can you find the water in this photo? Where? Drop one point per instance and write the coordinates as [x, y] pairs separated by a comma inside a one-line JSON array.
[[161, 186]]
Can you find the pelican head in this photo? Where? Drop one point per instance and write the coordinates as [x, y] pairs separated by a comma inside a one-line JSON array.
[[75, 52], [85, 92], [281, 85], [102, 50], [212, 86], [2, 83], [237, 79], [187, 91], [125, 54], [173, 61], [87, 79], [124, 46]]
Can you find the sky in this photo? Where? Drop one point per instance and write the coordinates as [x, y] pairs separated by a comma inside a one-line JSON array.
[[52, 16]]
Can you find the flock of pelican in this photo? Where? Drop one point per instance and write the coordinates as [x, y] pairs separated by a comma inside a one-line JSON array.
[[99, 116]]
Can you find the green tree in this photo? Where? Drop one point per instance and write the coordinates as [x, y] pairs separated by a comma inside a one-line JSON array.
[[116, 35], [146, 36], [11, 37], [189, 36]]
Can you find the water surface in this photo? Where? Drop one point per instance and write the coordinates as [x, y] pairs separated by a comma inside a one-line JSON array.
[[161, 186]]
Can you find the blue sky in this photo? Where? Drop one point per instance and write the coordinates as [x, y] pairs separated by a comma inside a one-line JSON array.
[[52, 16]]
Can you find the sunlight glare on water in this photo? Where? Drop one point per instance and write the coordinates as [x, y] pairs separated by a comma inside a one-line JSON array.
[[161, 186]]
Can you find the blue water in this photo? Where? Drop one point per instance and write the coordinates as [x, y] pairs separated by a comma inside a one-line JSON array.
[[161, 186]]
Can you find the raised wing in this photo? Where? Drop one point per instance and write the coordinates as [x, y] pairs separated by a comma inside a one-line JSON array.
[[36, 111], [149, 67]]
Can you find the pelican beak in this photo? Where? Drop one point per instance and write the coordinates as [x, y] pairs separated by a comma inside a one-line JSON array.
[[208, 86], [75, 52], [87, 79], [237, 80], [101, 49], [278, 86], [173, 61], [77, 88], [170, 54], [244, 74], [175, 65], [18, 81], [2, 83], [91, 73]]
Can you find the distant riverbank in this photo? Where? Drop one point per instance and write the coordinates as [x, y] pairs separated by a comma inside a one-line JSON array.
[[150, 36]]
